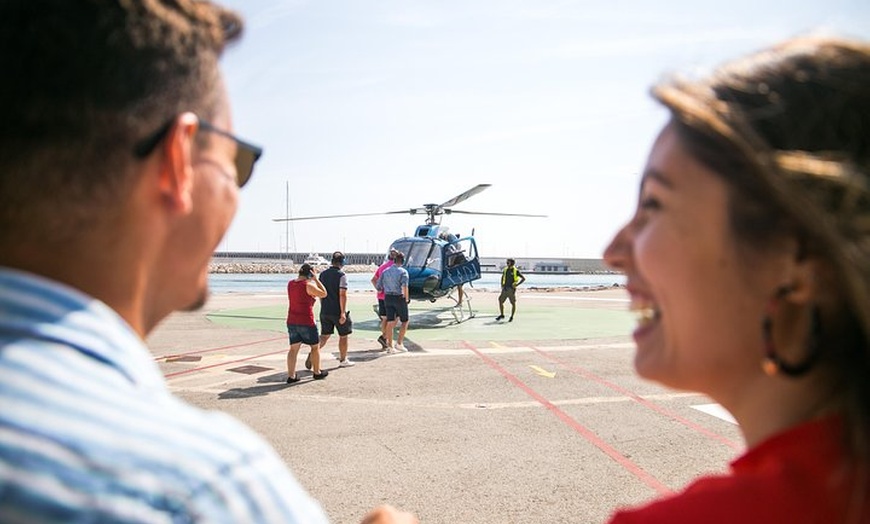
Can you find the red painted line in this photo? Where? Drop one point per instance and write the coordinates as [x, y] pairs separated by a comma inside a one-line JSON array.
[[651, 405], [582, 430], [222, 348], [202, 368]]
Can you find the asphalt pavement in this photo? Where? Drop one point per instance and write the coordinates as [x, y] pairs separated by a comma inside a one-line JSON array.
[[540, 420]]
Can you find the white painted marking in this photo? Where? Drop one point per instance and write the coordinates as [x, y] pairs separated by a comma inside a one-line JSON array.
[[503, 350], [411, 403], [717, 411], [278, 360]]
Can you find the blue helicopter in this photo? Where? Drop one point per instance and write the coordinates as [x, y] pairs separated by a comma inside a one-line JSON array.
[[437, 261]]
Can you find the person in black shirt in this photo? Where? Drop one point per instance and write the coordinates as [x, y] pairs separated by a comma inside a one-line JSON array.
[[333, 308]]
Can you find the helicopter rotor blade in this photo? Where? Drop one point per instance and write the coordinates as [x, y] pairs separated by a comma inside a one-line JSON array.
[[465, 196], [319, 217], [458, 211], [431, 210]]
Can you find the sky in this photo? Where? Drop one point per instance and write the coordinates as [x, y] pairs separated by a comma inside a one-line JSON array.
[[385, 105]]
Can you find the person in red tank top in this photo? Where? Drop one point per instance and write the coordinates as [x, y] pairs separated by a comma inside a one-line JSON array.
[[301, 294]]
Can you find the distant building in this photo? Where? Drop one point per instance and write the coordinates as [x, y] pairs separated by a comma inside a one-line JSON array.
[[531, 265], [491, 267], [551, 267]]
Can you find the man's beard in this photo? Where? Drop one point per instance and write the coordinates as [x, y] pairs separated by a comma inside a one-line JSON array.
[[198, 303]]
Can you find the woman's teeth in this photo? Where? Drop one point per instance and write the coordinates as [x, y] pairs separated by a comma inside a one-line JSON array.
[[644, 314]]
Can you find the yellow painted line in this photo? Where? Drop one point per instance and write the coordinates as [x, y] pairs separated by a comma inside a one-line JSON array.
[[543, 372], [496, 345]]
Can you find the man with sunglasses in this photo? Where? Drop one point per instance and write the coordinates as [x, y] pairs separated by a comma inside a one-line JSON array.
[[119, 175]]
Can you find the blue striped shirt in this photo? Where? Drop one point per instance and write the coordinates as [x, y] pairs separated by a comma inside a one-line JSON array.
[[90, 433], [392, 280]]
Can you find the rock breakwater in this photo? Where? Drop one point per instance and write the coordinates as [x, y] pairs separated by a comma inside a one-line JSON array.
[[276, 267]]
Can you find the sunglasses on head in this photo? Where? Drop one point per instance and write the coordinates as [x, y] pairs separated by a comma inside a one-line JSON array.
[[247, 154]]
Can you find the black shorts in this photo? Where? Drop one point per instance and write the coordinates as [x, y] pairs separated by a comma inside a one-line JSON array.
[[382, 308], [328, 323], [396, 307]]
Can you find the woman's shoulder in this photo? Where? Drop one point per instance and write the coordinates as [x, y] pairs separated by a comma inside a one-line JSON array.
[[729, 499], [789, 478]]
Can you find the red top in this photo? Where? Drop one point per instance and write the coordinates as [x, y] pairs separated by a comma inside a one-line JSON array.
[[300, 311], [799, 476]]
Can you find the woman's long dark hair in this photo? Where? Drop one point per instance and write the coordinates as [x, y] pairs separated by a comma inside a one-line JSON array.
[[789, 131]]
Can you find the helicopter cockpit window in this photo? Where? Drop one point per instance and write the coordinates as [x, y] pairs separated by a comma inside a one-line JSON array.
[[416, 253], [434, 260], [419, 254]]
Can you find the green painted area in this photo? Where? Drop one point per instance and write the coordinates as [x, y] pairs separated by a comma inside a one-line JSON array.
[[434, 322]]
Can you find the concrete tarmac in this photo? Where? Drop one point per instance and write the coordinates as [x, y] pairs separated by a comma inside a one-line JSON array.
[[541, 420]]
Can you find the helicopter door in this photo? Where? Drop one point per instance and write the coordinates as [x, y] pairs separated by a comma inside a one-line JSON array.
[[461, 263]]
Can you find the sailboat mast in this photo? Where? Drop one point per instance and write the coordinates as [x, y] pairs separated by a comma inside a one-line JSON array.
[[287, 215]]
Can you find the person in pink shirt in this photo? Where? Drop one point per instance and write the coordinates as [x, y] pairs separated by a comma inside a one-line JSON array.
[[382, 308]]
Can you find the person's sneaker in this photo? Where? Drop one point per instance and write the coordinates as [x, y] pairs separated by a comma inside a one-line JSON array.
[[294, 378], [400, 348], [321, 376], [390, 349], [382, 341], [511, 319], [500, 317], [346, 363], [308, 362]]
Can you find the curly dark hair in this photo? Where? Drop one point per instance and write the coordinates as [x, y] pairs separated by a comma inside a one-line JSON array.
[[85, 80]]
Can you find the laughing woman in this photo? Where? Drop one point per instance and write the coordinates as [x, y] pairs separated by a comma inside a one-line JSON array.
[[748, 261]]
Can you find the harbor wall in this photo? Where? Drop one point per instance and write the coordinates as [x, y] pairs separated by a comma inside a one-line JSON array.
[[252, 262]]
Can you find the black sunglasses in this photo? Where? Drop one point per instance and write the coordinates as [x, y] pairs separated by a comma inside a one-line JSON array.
[[247, 154]]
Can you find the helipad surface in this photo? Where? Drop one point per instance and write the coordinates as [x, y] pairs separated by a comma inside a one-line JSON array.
[[539, 420]]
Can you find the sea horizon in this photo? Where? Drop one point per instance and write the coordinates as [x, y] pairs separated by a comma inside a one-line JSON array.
[[358, 282]]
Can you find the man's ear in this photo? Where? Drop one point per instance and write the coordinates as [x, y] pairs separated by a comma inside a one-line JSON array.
[[176, 176]]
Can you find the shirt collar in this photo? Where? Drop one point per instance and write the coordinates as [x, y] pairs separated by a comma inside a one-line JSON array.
[[35, 307]]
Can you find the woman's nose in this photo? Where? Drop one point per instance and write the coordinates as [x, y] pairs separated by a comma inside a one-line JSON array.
[[617, 252]]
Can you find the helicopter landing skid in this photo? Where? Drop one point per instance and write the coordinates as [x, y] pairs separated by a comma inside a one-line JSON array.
[[461, 312]]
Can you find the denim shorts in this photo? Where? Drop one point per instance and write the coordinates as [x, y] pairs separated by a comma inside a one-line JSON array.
[[303, 334]]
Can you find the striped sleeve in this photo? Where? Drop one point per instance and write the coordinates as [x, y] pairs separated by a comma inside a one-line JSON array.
[[90, 433]]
